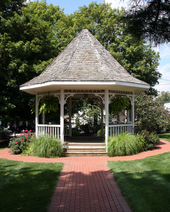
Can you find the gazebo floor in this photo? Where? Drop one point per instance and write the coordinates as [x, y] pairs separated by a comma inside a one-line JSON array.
[[84, 139]]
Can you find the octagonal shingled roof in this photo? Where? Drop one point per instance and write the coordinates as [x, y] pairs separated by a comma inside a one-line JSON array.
[[83, 60]]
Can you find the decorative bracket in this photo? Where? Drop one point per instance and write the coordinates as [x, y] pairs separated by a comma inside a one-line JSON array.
[[102, 96], [39, 98], [131, 99], [66, 96], [58, 96], [111, 96]]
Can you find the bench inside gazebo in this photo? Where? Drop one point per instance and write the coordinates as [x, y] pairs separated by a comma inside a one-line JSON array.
[[84, 68]]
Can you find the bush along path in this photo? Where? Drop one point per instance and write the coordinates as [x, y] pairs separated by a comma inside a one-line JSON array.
[[86, 183]]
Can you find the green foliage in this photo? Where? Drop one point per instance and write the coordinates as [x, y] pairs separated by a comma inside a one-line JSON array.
[[104, 23], [4, 135], [99, 132], [119, 104], [77, 122], [9, 7], [28, 44], [48, 104], [87, 128], [149, 20], [75, 132], [46, 146], [19, 144], [152, 114], [125, 144], [163, 97], [34, 33], [150, 139], [90, 113]]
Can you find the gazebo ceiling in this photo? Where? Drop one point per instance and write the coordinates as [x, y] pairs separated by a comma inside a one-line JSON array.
[[84, 64]]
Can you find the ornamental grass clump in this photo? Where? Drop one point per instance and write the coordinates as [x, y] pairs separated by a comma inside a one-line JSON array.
[[46, 146], [125, 144]]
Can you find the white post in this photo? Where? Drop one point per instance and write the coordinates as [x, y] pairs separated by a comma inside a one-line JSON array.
[[43, 118], [106, 118], [133, 114], [128, 116], [36, 115], [62, 115], [101, 118], [70, 126]]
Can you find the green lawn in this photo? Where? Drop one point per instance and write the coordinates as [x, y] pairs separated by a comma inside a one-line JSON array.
[[144, 183], [27, 186], [165, 136]]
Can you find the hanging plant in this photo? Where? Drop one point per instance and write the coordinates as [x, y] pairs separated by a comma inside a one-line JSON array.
[[48, 104], [119, 104]]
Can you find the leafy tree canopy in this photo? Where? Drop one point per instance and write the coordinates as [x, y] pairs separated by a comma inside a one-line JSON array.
[[150, 19], [152, 114], [35, 33], [104, 23], [28, 44], [164, 97]]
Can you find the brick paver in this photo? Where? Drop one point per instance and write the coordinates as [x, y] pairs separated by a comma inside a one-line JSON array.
[[86, 183]]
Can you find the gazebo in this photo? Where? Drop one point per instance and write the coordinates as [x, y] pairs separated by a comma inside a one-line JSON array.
[[84, 68]]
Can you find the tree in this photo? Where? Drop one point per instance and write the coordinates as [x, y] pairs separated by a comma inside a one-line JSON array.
[[152, 114], [104, 23], [164, 97], [28, 44], [35, 33], [8, 7], [150, 20]]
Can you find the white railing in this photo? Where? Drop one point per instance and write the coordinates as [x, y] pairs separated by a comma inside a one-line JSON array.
[[52, 130], [120, 128]]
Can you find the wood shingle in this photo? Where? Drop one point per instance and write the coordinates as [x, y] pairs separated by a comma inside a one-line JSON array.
[[83, 60]]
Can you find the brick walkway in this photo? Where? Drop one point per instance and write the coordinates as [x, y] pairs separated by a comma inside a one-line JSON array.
[[86, 183]]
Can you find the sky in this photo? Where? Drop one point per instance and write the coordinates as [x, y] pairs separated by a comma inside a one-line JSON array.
[[70, 6]]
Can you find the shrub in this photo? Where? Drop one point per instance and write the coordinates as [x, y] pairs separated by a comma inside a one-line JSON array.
[[17, 145], [150, 139], [152, 114], [99, 132], [125, 144], [75, 132], [46, 146], [4, 135]]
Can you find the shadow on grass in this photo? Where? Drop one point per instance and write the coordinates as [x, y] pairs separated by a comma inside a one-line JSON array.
[[145, 191], [27, 186]]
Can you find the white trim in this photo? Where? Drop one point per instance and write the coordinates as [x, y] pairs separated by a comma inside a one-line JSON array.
[[36, 115], [133, 114], [106, 118], [49, 125], [62, 116], [121, 125], [84, 83]]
